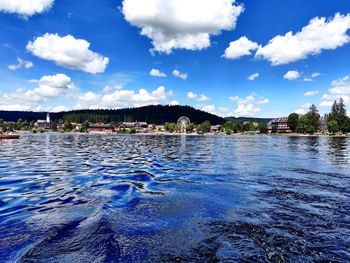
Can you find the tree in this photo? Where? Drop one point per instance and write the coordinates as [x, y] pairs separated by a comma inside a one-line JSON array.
[[314, 118], [85, 127], [190, 127], [338, 114], [333, 126], [204, 127], [293, 121], [303, 124], [68, 126], [263, 128], [274, 129]]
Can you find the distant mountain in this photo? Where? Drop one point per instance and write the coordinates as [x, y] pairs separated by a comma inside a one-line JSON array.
[[248, 119], [155, 114]]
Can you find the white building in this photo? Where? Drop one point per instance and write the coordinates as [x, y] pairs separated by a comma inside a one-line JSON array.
[[44, 124]]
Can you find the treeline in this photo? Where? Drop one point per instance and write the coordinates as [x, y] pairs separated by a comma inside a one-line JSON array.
[[336, 121], [155, 114], [16, 126], [241, 120]]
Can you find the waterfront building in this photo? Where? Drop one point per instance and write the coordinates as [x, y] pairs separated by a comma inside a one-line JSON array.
[[101, 128], [215, 129], [44, 124], [280, 123], [138, 126]]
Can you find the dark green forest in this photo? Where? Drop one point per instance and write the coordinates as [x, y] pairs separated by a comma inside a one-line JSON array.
[[156, 114]]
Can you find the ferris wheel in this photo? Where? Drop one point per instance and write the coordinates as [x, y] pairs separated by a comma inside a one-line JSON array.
[[183, 122]]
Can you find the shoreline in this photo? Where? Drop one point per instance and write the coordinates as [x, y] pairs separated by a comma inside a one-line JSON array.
[[193, 134]]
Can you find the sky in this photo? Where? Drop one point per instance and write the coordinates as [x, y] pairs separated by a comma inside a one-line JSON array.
[[230, 58]]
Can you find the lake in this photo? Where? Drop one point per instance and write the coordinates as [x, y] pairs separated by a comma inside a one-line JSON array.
[[96, 198]]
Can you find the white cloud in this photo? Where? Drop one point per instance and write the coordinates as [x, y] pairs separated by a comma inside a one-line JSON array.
[[59, 108], [174, 103], [303, 109], [122, 98], [247, 106], [49, 87], [311, 93], [339, 89], [196, 97], [68, 52], [239, 48], [25, 8], [306, 79], [21, 64], [263, 101], [253, 76], [174, 24], [326, 103], [211, 108], [157, 73], [292, 75], [320, 34], [340, 86], [315, 75], [179, 74]]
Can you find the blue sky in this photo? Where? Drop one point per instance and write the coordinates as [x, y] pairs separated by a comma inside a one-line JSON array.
[[62, 54]]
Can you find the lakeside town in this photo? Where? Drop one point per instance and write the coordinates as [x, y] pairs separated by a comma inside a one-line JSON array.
[[334, 123]]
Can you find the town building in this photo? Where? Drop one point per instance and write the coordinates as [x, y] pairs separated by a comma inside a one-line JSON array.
[[215, 128], [101, 128], [280, 123], [137, 126], [44, 124]]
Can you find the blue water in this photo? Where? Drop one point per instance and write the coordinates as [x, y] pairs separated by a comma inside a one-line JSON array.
[[95, 198]]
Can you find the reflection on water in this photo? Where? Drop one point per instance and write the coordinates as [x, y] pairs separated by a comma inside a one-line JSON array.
[[93, 198]]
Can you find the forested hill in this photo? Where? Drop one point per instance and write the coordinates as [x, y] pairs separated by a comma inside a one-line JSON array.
[[248, 119], [157, 114]]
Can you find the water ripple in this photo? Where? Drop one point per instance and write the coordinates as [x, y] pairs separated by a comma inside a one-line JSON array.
[[94, 198]]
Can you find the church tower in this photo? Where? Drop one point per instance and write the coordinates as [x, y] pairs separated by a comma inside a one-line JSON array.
[[48, 118]]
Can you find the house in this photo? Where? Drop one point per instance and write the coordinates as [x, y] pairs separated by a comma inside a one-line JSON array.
[[215, 129], [101, 128], [138, 126], [280, 123], [44, 124]]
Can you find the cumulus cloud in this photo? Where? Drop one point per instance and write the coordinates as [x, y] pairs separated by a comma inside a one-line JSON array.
[[49, 87], [312, 77], [68, 52], [196, 97], [292, 75], [239, 48], [320, 34], [174, 103], [315, 75], [219, 111], [174, 24], [179, 74], [25, 8], [303, 109], [21, 64], [247, 106], [253, 76], [157, 73], [122, 98], [311, 93], [339, 89], [263, 101]]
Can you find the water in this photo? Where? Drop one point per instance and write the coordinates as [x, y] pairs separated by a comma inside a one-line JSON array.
[[94, 198]]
